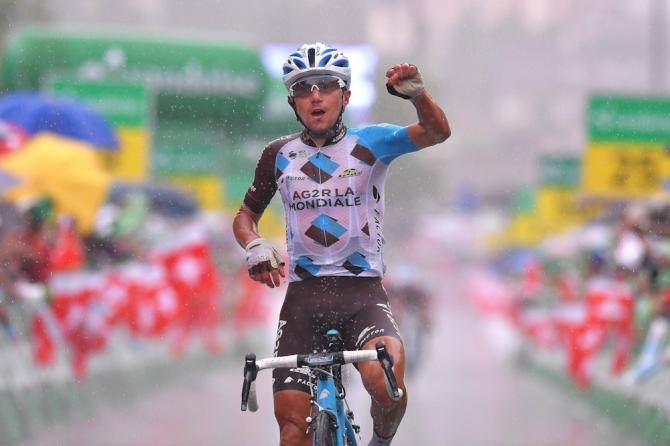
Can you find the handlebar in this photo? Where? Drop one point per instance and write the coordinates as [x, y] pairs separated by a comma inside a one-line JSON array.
[[315, 360]]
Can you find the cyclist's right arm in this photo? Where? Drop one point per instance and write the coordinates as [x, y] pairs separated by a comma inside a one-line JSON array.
[[263, 261], [245, 226]]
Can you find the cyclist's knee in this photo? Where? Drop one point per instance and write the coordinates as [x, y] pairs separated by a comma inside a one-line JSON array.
[[373, 375], [379, 393], [291, 412]]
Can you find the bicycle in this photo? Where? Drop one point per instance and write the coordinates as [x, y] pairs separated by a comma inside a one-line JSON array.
[[331, 421]]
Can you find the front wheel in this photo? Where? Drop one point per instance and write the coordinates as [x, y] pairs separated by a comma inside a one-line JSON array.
[[324, 430]]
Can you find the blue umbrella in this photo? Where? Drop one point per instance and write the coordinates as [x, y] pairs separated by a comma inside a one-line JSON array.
[[36, 112]]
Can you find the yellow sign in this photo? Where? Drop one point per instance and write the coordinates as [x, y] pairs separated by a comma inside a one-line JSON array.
[[525, 230], [558, 208], [207, 189], [624, 169], [128, 107], [131, 160]]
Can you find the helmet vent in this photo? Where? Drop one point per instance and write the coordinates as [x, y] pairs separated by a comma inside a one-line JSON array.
[[325, 61], [311, 56]]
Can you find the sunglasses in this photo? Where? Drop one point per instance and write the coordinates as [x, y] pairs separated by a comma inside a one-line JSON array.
[[323, 84]]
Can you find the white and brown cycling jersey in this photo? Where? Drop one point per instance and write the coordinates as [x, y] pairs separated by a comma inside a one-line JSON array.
[[333, 197]]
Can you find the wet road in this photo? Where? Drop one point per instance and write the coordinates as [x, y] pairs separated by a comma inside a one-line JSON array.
[[463, 396]]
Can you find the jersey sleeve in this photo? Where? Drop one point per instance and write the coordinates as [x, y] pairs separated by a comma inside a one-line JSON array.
[[387, 141], [264, 185]]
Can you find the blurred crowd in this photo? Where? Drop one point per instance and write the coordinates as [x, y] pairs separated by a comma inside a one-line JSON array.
[[602, 288], [142, 271]]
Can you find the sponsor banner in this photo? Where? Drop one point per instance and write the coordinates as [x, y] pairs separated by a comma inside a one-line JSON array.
[[559, 208], [627, 154], [193, 80], [524, 230], [524, 201], [123, 104], [624, 170], [564, 171], [629, 118]]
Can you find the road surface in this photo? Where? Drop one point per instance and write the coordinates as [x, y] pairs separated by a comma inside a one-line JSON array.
[[464, 395]]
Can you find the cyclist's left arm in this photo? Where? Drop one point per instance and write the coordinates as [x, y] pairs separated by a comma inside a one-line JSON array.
[[404, 80], [433, 126]]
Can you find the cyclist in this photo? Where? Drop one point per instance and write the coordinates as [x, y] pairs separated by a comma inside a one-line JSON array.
[[331, 180]]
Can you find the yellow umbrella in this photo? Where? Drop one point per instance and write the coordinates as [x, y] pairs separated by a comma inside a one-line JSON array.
[[67, 171]]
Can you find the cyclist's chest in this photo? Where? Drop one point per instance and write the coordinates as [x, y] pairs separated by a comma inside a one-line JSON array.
[[310, 178]]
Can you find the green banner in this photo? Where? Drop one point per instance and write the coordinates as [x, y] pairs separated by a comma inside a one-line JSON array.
[[192, 80], [560, 171], [180, 149], [123, 104], [184, 150], [524, 201], [628, 118]]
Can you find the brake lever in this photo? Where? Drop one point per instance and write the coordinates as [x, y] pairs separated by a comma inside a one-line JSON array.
[[248, 389], [386, 361]]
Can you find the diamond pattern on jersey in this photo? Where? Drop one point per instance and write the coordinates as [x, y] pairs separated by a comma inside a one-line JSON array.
[[364, 154], [366, 229], [325, 230], [281, 164], [356, 263], [305, 268], [319, 167]]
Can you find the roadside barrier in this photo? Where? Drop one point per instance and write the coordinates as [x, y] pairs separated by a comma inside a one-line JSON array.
[[33, 398], [642, 409]]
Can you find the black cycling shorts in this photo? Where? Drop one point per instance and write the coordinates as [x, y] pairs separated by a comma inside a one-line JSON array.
[[355, 306]]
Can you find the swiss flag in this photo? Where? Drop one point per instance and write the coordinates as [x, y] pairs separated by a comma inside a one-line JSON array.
[[585, 341], [610, 306], [193, 275], [153, 305], [46, 335], [80, 314], [115, 296], [71, 292], [67, 253], [580, 340], [540, 327]]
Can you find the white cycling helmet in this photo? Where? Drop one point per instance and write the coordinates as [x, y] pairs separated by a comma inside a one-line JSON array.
[[314, 59]]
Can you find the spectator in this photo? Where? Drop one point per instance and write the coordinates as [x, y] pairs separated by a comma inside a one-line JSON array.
[[651, 356]]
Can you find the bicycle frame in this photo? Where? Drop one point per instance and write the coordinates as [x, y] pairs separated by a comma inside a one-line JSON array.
[[328, 394], [327, 398]]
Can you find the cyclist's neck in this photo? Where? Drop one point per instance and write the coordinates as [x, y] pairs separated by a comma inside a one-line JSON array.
[[331, 137], [318, 142]]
